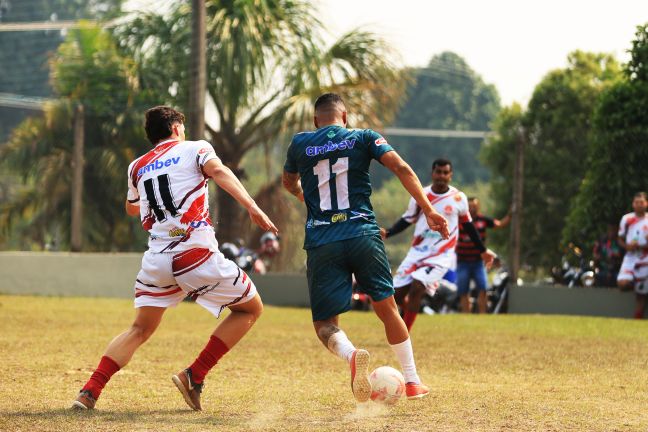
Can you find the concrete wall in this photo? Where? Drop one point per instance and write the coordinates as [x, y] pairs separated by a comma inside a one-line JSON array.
[[113, 275]]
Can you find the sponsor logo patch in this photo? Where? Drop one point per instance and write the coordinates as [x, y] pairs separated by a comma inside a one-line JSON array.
[[457, 198], [330, 147], [448, 209], [380, 141], [204, 150], [339, 217], [177, 232], [157, 165]]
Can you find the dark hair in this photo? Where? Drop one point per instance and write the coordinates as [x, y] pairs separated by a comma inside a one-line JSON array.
[[159, 122], [643, 195], [441, 162], [472, 198], [328, 101]]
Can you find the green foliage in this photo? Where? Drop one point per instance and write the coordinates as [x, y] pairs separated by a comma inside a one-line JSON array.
[[557, 129], [86, 69], [616, 167], [447, 94]]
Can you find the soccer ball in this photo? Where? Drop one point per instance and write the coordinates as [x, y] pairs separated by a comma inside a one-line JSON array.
[[387, 385]]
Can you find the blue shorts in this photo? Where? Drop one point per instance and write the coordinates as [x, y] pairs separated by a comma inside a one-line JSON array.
[[329, 270], [467, 270]]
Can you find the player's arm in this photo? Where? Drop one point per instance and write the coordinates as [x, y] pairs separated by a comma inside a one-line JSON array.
[[501, 223], [487, 255], [225, 178], [410, 181], [399, 226], [132, 209], [292, 184]]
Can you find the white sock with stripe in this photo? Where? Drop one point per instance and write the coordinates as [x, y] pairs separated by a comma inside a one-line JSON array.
[[340, 345], [405, 356]]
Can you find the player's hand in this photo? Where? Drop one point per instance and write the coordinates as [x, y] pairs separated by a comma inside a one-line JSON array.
[[633, 246], [300, 196], [261, 219], [488, 256], [383, 233], [436, 222]]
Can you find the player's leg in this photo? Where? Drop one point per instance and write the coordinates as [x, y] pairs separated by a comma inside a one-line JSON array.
[[155, 290], [215, 283], [640, 305], [481, 282], [330, 290], [625, 279], [463, 285], [371, 267]]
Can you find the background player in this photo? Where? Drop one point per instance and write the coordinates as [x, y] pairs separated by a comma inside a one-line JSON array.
[[167, 187], [431, 256], [342, 237], [633, 230]]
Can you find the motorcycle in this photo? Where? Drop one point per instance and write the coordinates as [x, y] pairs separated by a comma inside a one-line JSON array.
[[249, 260], [573, 275]]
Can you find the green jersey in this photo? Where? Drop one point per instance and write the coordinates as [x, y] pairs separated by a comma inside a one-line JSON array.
[[333, 163]]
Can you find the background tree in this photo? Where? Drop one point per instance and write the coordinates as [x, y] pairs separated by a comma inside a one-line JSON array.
[[557, 130], [267, 62], [446, 94], [86, 69], [616, 163]]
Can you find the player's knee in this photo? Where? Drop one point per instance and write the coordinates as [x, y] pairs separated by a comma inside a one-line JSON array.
[[417, 289], [141, 332]]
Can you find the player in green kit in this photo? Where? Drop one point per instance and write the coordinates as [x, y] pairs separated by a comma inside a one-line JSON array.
[[328, 169]]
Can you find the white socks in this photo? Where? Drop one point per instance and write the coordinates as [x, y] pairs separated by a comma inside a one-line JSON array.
[[340, 345], [405, 356]]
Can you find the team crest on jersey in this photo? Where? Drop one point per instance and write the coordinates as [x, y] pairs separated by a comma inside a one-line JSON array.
[[457, 198], [448, 209], [380, 141], [339, 217], [331, 134], [177, 232]]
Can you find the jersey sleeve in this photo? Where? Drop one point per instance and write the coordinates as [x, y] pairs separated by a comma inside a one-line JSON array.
[[412, 213], [490, 222], [204, 153], [132, 195], [291, 161], [462, 207], [376, 144]]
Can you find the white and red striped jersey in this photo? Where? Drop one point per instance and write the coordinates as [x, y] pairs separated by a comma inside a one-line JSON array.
[[634, 229], [171, 189], [453, 205]]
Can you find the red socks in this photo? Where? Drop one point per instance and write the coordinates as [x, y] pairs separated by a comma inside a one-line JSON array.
[[409, 317], [209, 356], [106, 369]]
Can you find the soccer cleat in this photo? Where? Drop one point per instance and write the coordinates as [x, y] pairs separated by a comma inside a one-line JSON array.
[[84, 401], [416, 391], [189, 389], [360, 384]]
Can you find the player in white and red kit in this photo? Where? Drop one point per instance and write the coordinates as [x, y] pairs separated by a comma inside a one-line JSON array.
[[633, 237], [432, 258], [167, 188]]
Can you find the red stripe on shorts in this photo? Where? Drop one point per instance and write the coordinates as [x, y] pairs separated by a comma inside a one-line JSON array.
[[189, 260], [139, 293]]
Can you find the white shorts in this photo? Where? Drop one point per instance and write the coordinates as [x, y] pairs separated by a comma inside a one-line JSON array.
[[429, 271], [641, 275], [213, 281], [627, 270]]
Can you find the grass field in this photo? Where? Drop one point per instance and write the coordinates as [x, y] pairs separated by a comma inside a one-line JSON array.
[[517, 373]]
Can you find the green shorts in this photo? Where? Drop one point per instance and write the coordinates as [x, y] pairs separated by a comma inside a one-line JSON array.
[[330, 267]]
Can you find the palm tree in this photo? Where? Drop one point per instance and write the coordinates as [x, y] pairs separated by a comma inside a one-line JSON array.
[[266, 62], [86, 69]]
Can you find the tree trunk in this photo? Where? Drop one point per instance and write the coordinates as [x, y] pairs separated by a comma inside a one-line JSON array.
[[76, 224]]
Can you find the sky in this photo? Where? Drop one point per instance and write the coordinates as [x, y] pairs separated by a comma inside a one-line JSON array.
[[511, 44]]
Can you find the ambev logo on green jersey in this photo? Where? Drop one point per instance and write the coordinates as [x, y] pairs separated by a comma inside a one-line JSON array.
[[329, 147]]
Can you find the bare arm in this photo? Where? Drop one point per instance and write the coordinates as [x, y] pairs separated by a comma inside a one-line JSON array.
[[411, 182], [501, 223], [292, 184], [132, 209], [225, 178]]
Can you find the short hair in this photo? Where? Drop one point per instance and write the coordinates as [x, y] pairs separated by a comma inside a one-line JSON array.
[[643, 195], [473, 198], [328, 101], [159, 122], [441, 162]]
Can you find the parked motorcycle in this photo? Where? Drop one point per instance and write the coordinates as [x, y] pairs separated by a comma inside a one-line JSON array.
[[575, 269], [249, 260]]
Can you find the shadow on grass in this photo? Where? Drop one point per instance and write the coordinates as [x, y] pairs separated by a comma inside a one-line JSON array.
[[142, 417]]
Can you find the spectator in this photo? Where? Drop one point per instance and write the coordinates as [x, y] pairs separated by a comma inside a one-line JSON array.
[[608, 255], [469, 263]]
